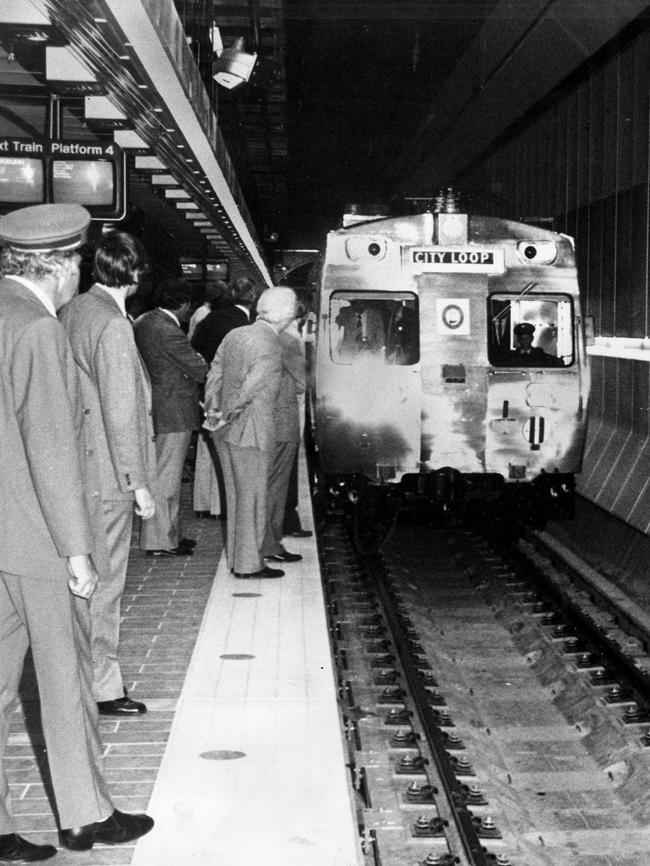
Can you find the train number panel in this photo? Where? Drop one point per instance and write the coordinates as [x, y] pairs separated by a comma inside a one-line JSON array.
[[450, 346]]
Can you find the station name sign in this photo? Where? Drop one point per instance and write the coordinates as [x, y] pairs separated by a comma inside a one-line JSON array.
[[466, 260], [33, 148]]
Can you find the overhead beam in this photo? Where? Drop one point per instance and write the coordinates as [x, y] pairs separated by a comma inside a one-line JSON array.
[[513, 63]]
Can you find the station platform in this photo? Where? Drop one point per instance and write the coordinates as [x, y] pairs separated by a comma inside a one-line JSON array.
[[240, 758]]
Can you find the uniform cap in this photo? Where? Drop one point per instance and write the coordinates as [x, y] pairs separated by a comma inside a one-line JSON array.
[[44, 228], [524, 328]]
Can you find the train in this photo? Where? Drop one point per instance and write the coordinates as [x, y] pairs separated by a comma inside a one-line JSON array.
[[448, 362]]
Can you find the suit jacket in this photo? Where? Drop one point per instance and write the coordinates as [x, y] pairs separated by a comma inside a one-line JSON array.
[[43, 514], [243, 383], [116, 392], [213, 328], [175, 371], [292, 383]]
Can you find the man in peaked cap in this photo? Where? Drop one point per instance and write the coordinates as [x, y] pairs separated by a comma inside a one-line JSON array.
[[47, 573], [530, 355]]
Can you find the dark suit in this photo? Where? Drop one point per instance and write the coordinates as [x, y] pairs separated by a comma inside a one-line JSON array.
[[176, 372], [213, 328], [116, 390], [208, 475], [43, 520], [243, 384]]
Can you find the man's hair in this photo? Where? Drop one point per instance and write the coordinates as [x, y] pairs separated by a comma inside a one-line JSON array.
[[172, 293], [117, 259], [244, 291], [276, 304], [216, 293], [32, 266]]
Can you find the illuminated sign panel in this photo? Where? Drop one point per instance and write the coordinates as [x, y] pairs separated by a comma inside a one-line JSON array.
[[62, 172]]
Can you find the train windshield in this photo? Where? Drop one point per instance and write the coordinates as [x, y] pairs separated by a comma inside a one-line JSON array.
[[530, 330], [383, 326]]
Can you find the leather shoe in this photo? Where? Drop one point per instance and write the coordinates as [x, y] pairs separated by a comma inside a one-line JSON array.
[[15, 849], [264, 572], [187, 542], [173, 551], [118, 828], [300, 533], [284, 556], [121, 707]]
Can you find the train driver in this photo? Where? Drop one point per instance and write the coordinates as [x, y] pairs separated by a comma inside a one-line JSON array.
[[529, 355]]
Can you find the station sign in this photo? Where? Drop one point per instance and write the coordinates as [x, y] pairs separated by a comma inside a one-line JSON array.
[[34, 148]]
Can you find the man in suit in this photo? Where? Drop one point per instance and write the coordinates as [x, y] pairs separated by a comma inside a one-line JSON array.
[[46, 534], [116, 389], [213, 328], [208, 474], [176, 371], [363, 331], [240, 394], [286, 436]]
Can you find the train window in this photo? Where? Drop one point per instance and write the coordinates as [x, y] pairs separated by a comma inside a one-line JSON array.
[[374, 325], [527, 331]]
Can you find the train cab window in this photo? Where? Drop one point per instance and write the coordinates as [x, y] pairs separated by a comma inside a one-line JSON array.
[[530, 331], [374, 325]]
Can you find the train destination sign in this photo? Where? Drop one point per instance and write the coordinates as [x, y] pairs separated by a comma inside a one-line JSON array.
[[471, 259]]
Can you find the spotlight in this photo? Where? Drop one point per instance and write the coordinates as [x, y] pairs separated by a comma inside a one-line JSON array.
[[234, 66]]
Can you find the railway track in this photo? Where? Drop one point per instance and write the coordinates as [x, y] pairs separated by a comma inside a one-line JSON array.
[[494, 706]]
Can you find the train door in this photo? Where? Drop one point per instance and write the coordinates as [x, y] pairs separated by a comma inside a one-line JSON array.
[[368, 401], [535, 391]]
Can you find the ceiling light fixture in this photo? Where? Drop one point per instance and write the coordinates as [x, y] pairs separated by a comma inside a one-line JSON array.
[[234, 66]]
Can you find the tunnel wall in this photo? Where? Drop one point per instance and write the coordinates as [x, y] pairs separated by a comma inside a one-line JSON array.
[[582, 159]]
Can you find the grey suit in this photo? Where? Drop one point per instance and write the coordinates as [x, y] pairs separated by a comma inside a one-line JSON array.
[[175, 371], [117, 393], [43, 520], [243, 383], [286, 423]]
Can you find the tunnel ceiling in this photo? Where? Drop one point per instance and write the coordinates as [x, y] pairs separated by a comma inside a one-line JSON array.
[[349, 101]]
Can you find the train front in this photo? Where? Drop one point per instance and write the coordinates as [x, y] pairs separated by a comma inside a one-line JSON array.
[[450, 360]]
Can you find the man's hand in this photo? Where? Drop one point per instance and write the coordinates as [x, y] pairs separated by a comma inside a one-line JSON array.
[[145, 505], [214, 420], [84, 576]]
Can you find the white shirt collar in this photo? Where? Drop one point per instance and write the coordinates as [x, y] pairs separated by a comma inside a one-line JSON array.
[[117, 295], [42, 296], [245, 309], [170, 314]]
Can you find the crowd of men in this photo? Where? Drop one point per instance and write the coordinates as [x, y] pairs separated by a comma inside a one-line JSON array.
[[97, 414]]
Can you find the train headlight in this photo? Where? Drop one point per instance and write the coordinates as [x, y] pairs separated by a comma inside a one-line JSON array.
[[537, 252], [370, 249]]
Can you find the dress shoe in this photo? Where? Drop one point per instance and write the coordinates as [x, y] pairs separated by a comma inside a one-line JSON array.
[[264, 572], [300, 533], [121, 707], [284, 556], [15, 849], [187, 542], [118, 828], [172, 551]]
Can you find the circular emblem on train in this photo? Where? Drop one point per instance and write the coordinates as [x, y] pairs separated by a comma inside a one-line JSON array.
[[453, 315]]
